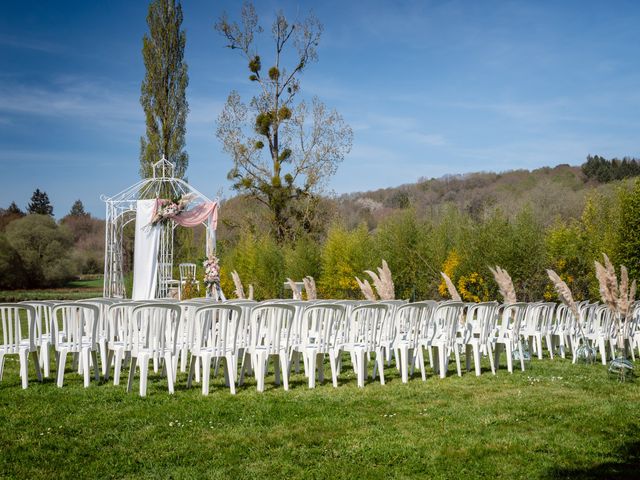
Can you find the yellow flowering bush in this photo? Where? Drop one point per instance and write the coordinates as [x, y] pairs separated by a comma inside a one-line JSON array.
[[473, 288], [449, 267]]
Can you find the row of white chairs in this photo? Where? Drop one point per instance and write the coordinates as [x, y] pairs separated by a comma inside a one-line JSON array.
[[244, 337]]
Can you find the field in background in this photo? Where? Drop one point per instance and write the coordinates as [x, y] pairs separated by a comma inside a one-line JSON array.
[[86, 286], [556, 420]]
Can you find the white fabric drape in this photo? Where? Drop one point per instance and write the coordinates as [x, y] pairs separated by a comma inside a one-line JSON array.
[[145, 253]]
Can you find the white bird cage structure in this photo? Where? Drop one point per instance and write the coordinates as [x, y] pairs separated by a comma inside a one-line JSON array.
[[121, 210]]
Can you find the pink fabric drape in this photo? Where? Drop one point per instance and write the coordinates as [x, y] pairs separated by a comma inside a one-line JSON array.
[[196, 215]]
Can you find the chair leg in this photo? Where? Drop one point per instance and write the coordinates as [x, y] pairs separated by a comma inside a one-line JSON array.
[[259, 364], [311, 362], [117, 367], [206, 372], [143, 362], [192, 367], [1, 365], [86, 362], [404, 362], [442, 366], [24, 372], [456, 354], [284, 367], [62, 360], [491, 359], [423, 370], [132, 373], [362, 367], [334, 367], [102, 345], [507, 348], [380, 362], [476, 358], [96, 371], [231, 362], [36, 361], [45, 358]]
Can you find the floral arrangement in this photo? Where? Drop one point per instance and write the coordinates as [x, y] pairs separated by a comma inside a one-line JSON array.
[[211, 273], [168, 209]]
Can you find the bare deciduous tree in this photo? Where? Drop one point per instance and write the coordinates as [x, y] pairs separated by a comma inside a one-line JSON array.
[[283, 148]]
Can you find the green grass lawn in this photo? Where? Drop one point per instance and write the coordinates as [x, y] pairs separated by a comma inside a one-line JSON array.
[[556, 420], [74, 290]]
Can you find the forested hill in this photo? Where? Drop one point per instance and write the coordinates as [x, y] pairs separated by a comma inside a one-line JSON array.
[[551, 192]]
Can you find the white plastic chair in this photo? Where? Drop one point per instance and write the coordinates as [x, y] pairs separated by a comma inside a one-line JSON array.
[[364, 328], [103, 305], [120, 341], [75, 327], [155, 329], [411, 320], [319, 332], [43, 338], [18, 340], [481, 318], [187, 273], [216, 337], [508, 334], [446, 321], [270, 331]]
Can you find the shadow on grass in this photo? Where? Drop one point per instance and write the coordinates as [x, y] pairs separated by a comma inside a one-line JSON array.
[[627, 467]]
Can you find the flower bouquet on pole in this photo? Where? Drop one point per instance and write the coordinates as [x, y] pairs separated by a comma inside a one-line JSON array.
[[212, 277]]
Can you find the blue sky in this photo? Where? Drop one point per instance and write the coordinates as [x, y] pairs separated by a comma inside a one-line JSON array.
[[429, 88]]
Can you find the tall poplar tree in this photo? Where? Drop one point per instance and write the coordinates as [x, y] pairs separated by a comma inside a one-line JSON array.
[[163, 91]]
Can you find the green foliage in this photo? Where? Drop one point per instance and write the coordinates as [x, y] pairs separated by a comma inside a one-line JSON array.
[[77, 209], [8, 215], [345, 255], [404, 243], [629, 230], [163, 90], [302, 259], [603, 170], [12, 272], [44, 249], [568, 254], [259, 261], [40, 204]]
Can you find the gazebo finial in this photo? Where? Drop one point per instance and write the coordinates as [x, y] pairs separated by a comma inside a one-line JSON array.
[[163, 168]]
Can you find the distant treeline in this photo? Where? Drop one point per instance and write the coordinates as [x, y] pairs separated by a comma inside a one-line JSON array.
[[603, 170]]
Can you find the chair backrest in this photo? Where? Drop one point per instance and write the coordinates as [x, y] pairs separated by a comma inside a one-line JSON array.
[[271, 325], [484, 317], [120, 326], [366, 324], [217, 327], [43, 311], [320, 325], [155, 327], [18, 323], [187, 271], [75, 323], [446, 320], [512, 319], [244, 330], [103, 305], [413, 321]]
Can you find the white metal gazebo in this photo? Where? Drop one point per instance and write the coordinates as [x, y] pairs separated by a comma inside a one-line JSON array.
[[122, 209]]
